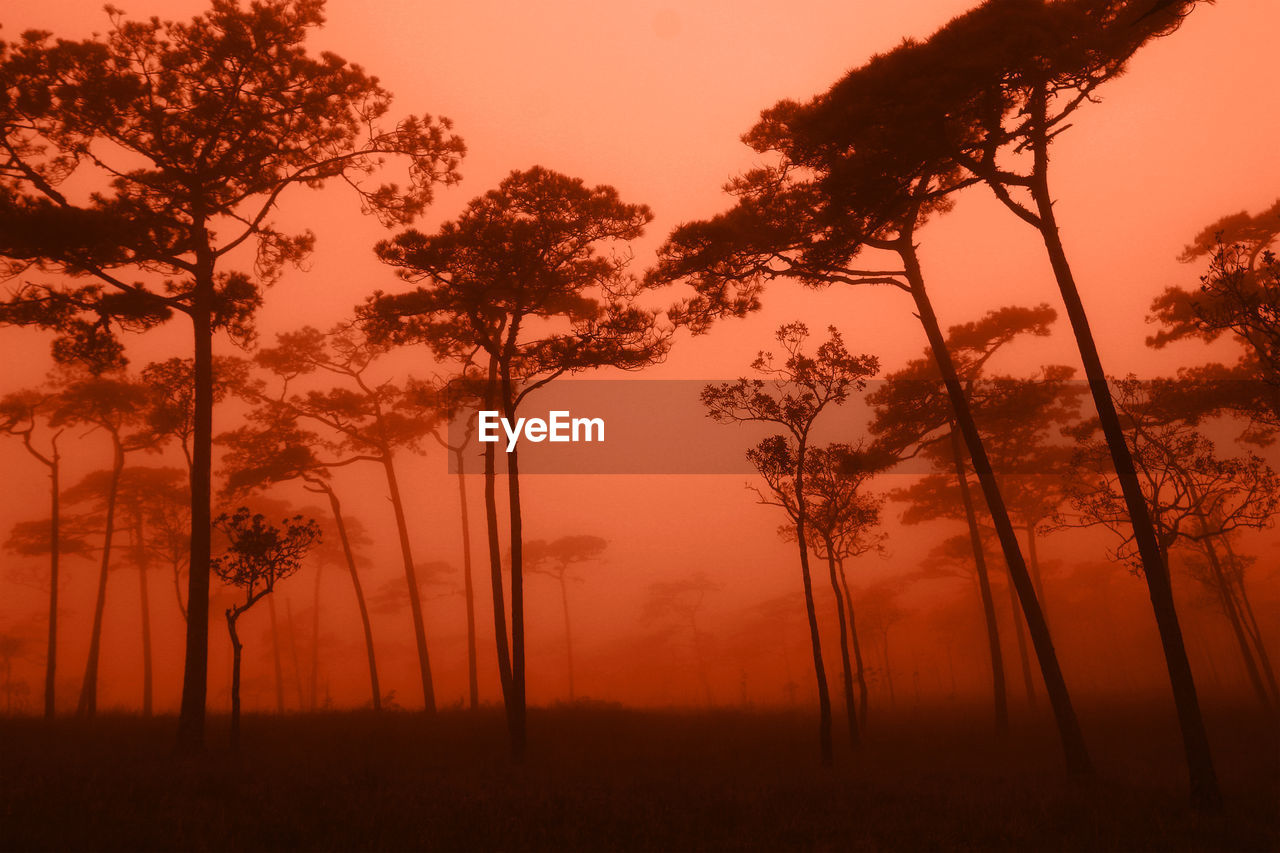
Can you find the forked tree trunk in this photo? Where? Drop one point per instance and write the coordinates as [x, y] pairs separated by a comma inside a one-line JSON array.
[[1205, 792], [411, 578], [850, 704], [88, 705], [819, 671], [859, 670], [340, 523], [468, 589], [195, 673], [1075, 752], [994, 653]]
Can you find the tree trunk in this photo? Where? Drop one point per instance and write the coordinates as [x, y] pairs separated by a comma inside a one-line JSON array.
[[275, 654], [88, 705], [195, 675], [995, 655], [860, 672], [411, 578], [1033, 559], [568, 632], [1027, 679], [468, 590], [232, 615], [1075, 752], [1227, 598], [700, 658], [1255, 632], [1205, 792], [293, 652], [347, 553], [145, 604], [850, 705], [888, 671], [517, 713], [819, 671], [495, 573], [55, 535], [314, 686]]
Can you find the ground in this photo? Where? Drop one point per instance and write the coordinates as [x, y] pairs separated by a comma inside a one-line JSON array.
[[600, 778]]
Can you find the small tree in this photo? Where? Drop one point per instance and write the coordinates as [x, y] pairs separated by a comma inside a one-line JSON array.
[[556, 559], [259, 555], [794, 392], [684, 598]]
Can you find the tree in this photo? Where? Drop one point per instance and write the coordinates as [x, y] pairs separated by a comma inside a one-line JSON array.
[[258, 556], [26, 414], [684, 598], [841, 520], [845, 182], [796, 389], [522, 288], [192, 132], [1009, 79], [1194, 495], [114, 405], [556, 559]]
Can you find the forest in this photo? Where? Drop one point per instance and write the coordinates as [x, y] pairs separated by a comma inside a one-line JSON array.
[[926, 356]]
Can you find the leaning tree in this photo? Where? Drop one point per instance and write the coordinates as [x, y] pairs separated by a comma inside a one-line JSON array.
[[191, 133]]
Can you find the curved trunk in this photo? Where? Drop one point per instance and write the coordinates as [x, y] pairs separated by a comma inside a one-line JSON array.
[[411, 578], [195, 673], [1075, 752], [859, 670], [1205, 792], [850, 706], [88, 704], [232, 615], [347, 553], [819, 671], [468, 589], [994, 653]]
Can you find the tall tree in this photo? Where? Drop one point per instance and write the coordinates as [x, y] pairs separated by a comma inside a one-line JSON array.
[[797, 387], [557, 559], [26, 414], [258, 556], [528, 284], [192, 132]]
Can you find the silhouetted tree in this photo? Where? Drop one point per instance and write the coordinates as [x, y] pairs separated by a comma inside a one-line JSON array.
[[796, 389], [197, 130], [684, 598], [258, 556], [26, 414], [556, 559], [521, 284]]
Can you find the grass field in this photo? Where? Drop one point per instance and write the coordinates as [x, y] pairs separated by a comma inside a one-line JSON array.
[[616, 779]]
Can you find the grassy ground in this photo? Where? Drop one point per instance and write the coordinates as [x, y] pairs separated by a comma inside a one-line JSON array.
[[613, 779]]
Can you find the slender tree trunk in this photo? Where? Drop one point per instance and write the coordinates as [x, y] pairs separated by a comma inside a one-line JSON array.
[[850, 705], [314, 686], [55, 536], [518, 711], [819, 671], [293, 652], [88, 705], [411, 578], [195, 676], [888, 669], [568, 633], [145, 604], [995, 654], [1075, 753], [275, 654], [495, 558], [1028, 680], [177, 591], [1255, 632], [1205, 792], [350, 557], [1033, 560], [468, 589], [232, 615], [857, 647], [1227, 598]]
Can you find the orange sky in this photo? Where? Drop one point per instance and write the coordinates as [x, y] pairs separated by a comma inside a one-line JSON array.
[[651, 97]]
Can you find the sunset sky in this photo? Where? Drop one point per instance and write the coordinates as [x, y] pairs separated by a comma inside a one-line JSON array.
[[652, 97]]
